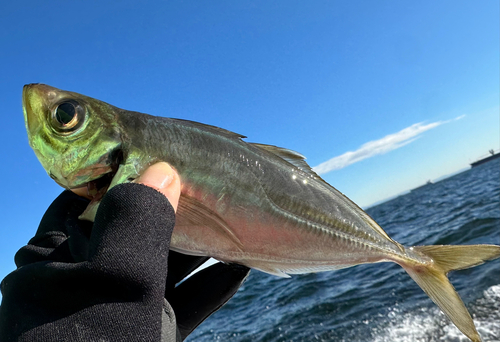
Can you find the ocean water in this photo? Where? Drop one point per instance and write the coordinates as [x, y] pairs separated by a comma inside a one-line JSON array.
[[380, 302]]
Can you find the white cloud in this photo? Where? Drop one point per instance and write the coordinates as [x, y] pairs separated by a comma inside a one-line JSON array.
[[372, 148]]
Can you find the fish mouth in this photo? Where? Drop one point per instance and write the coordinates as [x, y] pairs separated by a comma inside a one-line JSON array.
[[95, 189]]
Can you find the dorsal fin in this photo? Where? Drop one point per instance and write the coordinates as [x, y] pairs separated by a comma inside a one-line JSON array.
[[282, 152], [294, 158], [214, 129]]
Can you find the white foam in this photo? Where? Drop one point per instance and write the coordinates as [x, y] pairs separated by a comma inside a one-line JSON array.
[[431, 325]]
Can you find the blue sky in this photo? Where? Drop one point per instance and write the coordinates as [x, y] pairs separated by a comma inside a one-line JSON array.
[[392, 93]]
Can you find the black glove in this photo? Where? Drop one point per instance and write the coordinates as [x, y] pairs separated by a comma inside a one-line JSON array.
[[78, 281]]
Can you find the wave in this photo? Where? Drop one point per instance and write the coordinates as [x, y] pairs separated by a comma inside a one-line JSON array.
[[430, 325]]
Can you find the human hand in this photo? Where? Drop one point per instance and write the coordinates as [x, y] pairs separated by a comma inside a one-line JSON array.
[[104, 276]]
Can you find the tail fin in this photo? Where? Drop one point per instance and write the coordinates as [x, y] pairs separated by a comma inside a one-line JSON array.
[[433, 280]]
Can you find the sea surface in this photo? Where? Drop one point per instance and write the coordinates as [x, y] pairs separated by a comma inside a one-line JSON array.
[[380, 302]]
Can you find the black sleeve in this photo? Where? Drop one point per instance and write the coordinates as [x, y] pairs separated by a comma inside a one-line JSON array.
[[106, 282]]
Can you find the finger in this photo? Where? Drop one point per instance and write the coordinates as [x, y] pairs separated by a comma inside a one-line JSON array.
[[163, 178], [204, 293], [126, 212]]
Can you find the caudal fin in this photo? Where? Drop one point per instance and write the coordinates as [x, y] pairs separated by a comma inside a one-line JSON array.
[[433, 280]]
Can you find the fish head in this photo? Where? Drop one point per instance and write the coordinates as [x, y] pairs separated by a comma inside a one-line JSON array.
[[76, 138]]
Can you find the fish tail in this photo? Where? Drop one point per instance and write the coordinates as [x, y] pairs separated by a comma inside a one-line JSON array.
[[433, 279]]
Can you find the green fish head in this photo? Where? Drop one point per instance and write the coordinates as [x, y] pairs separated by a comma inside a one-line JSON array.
[[76, 138]]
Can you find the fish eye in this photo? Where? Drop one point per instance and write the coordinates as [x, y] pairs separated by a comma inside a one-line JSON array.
[[65, 112], [68, 116]]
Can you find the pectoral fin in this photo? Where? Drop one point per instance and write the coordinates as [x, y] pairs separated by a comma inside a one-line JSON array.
[[195, 213]]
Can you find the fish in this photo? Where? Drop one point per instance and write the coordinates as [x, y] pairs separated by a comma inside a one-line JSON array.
[[252, 204]]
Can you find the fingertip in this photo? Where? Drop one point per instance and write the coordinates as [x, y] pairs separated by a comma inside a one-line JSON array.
[[162, 177]]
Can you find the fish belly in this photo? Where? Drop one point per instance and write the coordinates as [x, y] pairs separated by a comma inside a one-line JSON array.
[[272, 243]]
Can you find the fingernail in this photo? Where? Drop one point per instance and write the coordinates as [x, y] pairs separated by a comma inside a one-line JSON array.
[[158, 176]]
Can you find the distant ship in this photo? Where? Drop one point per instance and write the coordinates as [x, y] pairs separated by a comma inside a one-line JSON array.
[[429, 182], [492, 156]]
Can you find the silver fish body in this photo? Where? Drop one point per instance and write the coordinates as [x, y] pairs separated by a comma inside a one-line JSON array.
[[257, 205]]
